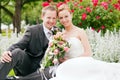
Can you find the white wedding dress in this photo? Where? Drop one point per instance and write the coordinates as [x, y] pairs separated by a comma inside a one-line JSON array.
[[85, 68], [76, 48]]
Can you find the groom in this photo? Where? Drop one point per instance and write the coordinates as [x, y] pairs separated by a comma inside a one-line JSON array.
[[24, 57]]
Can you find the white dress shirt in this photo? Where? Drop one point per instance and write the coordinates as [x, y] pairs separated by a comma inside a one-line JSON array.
[[48, 32]]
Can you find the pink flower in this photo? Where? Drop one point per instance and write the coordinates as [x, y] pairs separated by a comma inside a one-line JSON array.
[[56, 51], [50, 44], [61, 42], [66, 49], [84, 16], [44, 4]]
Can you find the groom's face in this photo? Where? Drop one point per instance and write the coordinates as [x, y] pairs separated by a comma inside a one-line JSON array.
[[49, 19]]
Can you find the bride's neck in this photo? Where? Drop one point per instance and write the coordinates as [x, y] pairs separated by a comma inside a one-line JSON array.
[[69, 28]]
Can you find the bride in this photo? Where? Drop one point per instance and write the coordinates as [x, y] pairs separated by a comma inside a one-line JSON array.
[[75, 36], [80, 66]]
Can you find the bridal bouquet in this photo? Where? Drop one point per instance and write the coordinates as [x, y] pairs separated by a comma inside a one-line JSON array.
[[56, 50]]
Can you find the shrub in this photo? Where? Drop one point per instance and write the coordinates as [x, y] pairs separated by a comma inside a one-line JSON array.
[[100, 16]]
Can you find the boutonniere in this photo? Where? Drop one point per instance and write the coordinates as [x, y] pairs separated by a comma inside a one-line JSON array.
[[55, 30]]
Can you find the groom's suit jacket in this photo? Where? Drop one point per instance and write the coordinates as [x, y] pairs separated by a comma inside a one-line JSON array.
[[34, 42]]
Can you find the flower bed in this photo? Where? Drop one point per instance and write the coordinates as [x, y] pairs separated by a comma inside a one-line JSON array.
[[105, 47]]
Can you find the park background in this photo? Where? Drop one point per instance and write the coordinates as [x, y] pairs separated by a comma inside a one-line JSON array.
[[100, 19]]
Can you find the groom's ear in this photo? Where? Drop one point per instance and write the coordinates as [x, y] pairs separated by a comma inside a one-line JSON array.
[[41, 16]]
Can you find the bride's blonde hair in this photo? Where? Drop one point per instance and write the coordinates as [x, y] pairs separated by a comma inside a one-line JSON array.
[[64, 7]]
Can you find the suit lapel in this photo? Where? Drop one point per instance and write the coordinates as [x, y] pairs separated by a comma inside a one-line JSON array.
[[43, 39]]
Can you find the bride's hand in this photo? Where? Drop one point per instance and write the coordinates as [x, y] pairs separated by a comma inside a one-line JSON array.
[[61, 60]]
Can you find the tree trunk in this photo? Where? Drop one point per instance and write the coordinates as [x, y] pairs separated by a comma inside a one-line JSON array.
[[0, 19], [17, 16]]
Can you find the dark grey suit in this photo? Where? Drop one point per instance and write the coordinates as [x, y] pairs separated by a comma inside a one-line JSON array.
[[27, 53]]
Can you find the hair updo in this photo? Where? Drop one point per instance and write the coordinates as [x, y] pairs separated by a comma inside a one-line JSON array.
[[64, 7]]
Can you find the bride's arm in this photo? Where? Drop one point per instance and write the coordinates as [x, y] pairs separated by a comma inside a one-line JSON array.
[[85, 43]]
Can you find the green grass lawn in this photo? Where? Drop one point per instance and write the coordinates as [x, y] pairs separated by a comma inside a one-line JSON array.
[[11, 73]]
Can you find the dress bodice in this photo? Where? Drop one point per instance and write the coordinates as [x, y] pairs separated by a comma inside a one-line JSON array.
[[76, 48]]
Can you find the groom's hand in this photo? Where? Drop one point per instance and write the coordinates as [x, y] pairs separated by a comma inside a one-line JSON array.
[[6, 57]]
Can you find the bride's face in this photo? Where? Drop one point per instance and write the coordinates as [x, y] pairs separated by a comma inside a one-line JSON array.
[[65, 18]]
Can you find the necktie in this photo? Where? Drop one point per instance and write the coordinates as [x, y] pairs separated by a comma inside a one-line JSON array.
[[49, 34]]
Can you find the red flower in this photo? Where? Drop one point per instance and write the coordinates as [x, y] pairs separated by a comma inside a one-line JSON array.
[[59, 4], [72, 10], [76, 4], [88, 9], [98, 30], [80, 24], [117, 6], [84, 16], [118, 1], [81, 7], [95, 2], [44, 4], [80, 0], [105, 5], [67, 1], [111, 10], [97, 17], [103, 27]]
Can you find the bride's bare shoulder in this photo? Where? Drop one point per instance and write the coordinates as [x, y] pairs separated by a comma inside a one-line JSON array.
[[80, 30]]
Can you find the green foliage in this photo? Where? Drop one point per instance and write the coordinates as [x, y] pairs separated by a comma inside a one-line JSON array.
[[31, 12], [6, 18], [4, 33]]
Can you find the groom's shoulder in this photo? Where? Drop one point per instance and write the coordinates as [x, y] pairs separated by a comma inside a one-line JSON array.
[[34, 27]]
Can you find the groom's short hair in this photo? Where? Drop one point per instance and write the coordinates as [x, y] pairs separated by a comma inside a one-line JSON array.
[[49, 7]]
